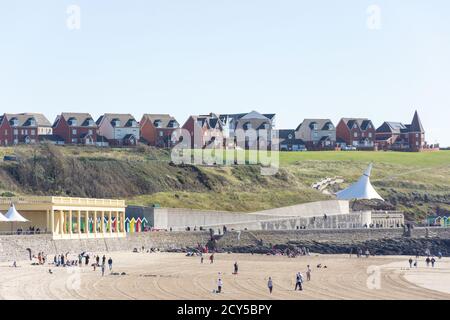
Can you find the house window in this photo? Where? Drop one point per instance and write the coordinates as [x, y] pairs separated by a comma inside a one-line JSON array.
[[417, 143], [74, 140], [417, 135], [74, 131], [315, 126], [161, 133], [90, 131], [33, 132], [355, 134], [315, 134], [6, 132], [370, 134], [16, 132]]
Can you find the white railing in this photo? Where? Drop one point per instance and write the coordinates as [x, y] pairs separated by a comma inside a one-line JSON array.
[[88, 201], [63, 201]]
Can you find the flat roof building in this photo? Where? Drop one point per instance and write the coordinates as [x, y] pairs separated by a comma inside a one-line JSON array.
[[68, 218]]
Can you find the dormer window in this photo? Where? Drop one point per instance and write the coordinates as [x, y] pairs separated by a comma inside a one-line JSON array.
[[290, 136], [329, 126], [14, 122], [73, 122], [314, 126], [32, 122], [133, 123], [355, 126], [90, 122], [116, 123], [158, 123], [369, 126]]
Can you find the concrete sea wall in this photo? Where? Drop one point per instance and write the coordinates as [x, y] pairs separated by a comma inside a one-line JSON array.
[[15, 247]]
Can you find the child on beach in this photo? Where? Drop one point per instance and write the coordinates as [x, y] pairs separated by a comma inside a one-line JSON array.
[[270, 285], [308, 273], [219, 284]]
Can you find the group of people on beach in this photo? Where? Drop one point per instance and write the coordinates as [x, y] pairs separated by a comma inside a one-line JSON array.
[[414, 263], [359, 253], [299, 278], [62, 260]]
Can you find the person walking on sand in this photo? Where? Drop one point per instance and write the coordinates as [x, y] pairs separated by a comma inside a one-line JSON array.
[[298, 282], [236, 268], [427, 261], [410, 263], [201, 259], [211, 258], [110, 262], [103, 270], [103, 259], [270, 285], [308, 273], [219, 284], [433, 261]]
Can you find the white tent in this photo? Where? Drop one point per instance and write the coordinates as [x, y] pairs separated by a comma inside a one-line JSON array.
[[362, 189], [13, 216], [3, 218]]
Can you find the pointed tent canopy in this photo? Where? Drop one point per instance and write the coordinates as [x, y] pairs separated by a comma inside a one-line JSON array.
[[13, 216], [3, 218], [360, 190]]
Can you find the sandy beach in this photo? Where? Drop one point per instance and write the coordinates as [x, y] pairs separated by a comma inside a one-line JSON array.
[[175, 276]]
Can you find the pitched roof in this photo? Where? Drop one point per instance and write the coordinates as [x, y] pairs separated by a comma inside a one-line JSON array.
[[211, 121], [166, 120], [361, 122], [249, 115], [126, 119], [416, 124], [24, 119], [392, 127], [254, 115], [321, 123], [82, 118]]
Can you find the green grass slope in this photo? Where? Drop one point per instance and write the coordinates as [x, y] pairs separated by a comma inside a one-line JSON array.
[[417, 183]]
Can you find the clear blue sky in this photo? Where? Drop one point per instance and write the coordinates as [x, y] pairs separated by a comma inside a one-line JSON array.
[[297, 58]]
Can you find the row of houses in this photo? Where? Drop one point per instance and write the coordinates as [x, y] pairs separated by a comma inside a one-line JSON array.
[[157, 130], [355, 133]]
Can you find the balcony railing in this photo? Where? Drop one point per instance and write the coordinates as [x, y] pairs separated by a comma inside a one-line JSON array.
[[63, 201]]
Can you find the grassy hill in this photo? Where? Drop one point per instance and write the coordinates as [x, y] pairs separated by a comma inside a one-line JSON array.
[[417, 183]]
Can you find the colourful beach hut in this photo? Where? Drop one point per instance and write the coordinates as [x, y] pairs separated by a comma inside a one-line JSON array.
[[132, 225]]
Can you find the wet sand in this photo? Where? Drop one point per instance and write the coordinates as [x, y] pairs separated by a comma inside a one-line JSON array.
[[175, 276]]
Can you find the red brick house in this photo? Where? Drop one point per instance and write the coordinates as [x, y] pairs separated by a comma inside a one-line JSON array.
[[359, 133], [157, 129], [397, 136], [204, 130], [76, 128], [23, 128]]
